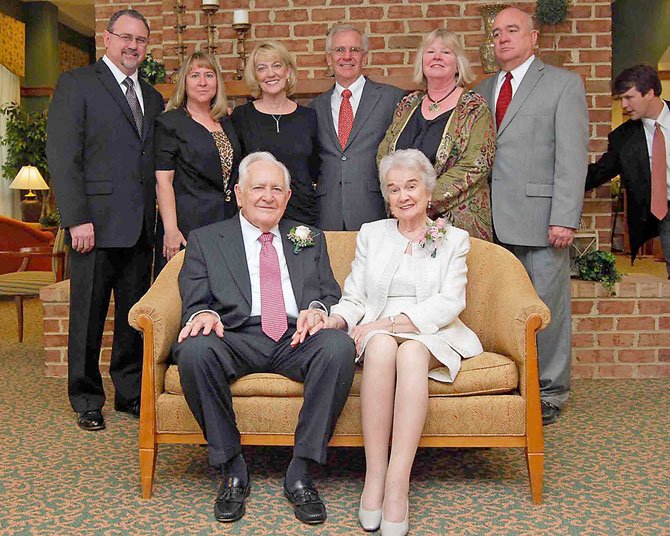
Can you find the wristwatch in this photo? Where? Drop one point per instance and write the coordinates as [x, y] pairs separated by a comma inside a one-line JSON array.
[[392, 320]]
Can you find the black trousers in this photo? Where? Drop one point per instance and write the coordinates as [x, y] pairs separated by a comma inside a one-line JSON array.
[[93, 277], [208, 365]]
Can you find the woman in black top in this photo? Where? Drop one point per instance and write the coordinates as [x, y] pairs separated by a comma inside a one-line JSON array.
[[276, 124], [197, 154]]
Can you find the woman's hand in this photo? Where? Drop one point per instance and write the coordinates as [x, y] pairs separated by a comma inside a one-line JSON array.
[[172, 242], [311, 321], [360, 332]]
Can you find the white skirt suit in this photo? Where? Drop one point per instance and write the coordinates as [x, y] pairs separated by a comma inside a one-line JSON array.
[[385, 281]]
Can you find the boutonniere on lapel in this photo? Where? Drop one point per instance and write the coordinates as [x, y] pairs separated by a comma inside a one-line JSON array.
[[434, 237], [302, 237]]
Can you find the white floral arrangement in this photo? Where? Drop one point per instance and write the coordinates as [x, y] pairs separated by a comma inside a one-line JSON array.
[[302, 237], [434, 236]]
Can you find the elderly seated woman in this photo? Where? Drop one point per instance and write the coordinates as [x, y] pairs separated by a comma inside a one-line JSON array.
[[401, 304]]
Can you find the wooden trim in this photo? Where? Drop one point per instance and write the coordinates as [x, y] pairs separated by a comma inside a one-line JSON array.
[[45, 91], [534, 432]]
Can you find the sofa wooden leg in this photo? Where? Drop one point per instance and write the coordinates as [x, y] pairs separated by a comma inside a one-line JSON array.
[[18, 300], [147, 469], [535, 461]]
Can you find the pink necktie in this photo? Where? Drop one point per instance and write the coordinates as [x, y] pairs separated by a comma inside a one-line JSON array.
[[346, 118], [504, 98], [659, 175], [273, 310]]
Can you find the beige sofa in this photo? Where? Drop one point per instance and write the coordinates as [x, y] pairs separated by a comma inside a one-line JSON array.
[[494, 402]]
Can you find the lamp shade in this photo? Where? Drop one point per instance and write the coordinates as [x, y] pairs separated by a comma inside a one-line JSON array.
[[29, 178]]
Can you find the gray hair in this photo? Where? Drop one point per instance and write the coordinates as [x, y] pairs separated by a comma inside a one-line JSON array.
[[261, 156], [451, 40], [410, 160], [133, 13], [344, 27]]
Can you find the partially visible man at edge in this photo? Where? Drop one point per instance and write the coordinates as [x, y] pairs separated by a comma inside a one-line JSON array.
[[100, 151]]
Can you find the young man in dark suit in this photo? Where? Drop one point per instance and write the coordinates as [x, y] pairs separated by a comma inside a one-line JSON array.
[[352, 119], [631, 154], [251, 293], [100, 151]]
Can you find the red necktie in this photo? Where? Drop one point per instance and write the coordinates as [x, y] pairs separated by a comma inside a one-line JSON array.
[[273, 310], [346, 119], [659, 175], [504, 98]]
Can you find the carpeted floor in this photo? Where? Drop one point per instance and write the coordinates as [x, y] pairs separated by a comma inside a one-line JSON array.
[[606, 472]]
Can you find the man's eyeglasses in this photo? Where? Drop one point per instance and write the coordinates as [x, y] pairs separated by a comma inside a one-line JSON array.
[[352, 50], [128, 38]]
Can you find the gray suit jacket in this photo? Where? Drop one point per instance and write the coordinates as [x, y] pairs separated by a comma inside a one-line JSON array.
[[541, 155], [348, 193], [215, 274]]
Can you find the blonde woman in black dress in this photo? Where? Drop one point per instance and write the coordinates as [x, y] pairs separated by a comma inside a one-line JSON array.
[[276, 124], [197, 154]]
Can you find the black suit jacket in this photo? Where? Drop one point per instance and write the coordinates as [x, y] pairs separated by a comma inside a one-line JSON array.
[[102, 169], [627, 155], [215, 274]]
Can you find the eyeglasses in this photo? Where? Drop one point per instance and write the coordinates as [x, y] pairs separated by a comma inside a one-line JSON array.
[[352, 50], [128, 38]]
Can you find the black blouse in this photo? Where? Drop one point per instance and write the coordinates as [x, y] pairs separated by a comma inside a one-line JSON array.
[[424, 134], [294, 142]]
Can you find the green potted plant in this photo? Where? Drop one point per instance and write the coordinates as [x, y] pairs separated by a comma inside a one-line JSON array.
[[50, 221], [152, 70], [598, 266], [551, 13]]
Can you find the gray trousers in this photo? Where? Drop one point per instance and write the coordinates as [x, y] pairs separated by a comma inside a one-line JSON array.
[[208, 365], [549, 270]]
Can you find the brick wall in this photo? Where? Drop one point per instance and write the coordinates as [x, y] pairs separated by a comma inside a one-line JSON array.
[[626, 335], [394, 28]]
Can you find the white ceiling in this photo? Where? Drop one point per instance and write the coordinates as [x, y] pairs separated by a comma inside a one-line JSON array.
[[77, 14]]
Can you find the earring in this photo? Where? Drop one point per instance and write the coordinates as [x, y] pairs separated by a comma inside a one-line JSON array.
[[430, 204]]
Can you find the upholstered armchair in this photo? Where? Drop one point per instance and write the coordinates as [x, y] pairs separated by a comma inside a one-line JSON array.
[[494, 402], [25, 283]]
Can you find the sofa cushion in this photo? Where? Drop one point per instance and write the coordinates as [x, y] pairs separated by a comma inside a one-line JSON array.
[[486, 373]]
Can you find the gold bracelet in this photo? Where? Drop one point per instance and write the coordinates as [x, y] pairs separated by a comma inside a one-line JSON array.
[[392, 319]]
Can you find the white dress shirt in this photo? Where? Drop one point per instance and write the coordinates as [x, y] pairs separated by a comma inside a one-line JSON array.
[[663, 120], [120, 77], [517, 77], [336, 99]]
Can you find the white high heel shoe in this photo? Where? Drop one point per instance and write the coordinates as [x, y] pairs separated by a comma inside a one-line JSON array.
[[389, 528], [369, 519]]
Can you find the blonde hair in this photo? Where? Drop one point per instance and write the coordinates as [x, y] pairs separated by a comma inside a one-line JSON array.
[[219, 104], [451, 40], [271, 49]]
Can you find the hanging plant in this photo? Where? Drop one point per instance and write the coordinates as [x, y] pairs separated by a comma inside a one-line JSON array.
[[152, 70], [551, 13], [598, 266]]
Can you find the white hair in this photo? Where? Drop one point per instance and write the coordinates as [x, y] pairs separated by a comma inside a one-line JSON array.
[[410, 160], [344, 27], [261, 156]]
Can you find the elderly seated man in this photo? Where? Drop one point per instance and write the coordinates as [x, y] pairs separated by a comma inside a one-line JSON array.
[[252, 289]]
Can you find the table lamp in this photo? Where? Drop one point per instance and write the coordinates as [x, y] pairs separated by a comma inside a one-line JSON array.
[[29, 178]]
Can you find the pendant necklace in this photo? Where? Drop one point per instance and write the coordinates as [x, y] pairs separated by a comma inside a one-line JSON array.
[[435, 104], [276, 118]]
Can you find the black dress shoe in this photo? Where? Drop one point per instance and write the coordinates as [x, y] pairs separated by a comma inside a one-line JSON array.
[[307, 504], [131, 408], [229, 504], [550, 413], [91, 420]]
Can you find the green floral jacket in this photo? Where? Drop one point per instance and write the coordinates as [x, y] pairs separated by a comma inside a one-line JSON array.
[[464, 158]]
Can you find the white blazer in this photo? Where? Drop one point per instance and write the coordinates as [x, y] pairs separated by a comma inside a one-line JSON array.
[[440, 284]]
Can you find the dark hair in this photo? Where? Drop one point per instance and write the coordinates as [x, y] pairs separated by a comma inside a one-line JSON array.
[[130, 13], [641, 77]]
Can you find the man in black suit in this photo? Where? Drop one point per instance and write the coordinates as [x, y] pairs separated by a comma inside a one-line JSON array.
[[100, 151], [630, 154], [348, 192], [251, 294]]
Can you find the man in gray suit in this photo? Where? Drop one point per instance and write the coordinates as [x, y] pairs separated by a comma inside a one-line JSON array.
[[352, 120], [537, 183], [242, 286]]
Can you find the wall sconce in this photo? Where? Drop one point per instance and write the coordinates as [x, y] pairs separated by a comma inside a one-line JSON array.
[[241, 25], [180, 48], [29, 178], [210, 7]]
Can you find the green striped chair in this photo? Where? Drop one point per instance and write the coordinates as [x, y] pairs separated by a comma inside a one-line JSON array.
[[25, 283]]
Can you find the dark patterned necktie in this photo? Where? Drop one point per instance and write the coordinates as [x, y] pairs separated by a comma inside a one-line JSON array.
[[134, 103], [504, 98]]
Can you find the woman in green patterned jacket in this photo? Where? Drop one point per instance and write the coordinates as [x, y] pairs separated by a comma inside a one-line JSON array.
[[453, 127]]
